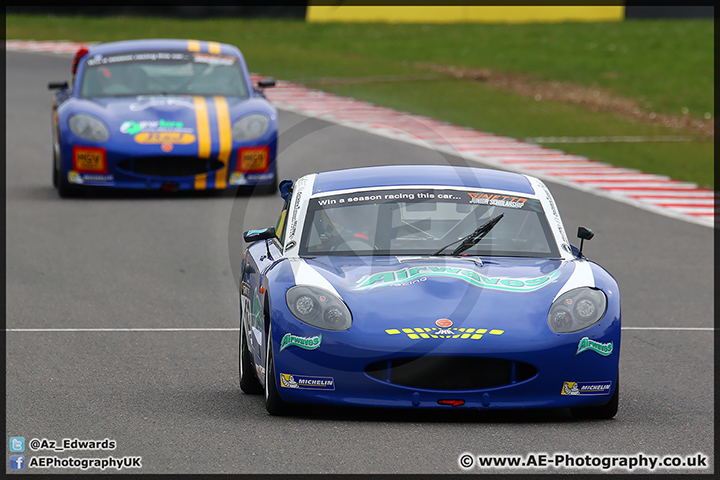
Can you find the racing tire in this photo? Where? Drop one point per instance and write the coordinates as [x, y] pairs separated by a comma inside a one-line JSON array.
[[248, 381], [56, 173], [600, 412], [273, 403], [64, 189]]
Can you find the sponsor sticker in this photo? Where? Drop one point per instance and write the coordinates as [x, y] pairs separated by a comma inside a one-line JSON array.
[[259, 177], [585, 343], [308, 343], [417, 333], [131, 127], [398, 277], [135, 57], [74, 177], [253, 159], [306, 382], [156, 138], [497, 200], [213, 59], [89, 160], [237, 178], [586, 388], [93, 178], [150, 101]]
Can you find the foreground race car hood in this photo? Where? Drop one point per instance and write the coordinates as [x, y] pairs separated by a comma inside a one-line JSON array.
[[386, 293]]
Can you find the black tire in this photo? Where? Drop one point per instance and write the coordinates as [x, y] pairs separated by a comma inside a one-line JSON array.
[[64, 188], [56, 173], [273, 403], [248, 381], [600, 412]]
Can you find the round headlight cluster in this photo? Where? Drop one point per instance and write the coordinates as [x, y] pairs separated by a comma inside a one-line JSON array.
[[250, 127], [318, 307], [577, 309], [88, 128]]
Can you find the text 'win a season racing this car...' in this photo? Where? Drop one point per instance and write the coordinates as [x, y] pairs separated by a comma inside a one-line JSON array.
[[162, 114], [426, 287]]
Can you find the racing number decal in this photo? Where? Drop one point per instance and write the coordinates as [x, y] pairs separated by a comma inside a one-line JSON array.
[[89, 160], [253, 159]]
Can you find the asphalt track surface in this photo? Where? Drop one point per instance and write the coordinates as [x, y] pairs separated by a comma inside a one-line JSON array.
[[171, 262]]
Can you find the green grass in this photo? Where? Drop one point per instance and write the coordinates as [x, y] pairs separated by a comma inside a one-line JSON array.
[[666, 65]]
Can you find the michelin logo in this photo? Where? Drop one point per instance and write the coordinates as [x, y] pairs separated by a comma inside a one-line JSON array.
[[586, 388], [306, 382]]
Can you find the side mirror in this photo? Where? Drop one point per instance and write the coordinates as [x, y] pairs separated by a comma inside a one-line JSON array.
[[54, 85], [286, 189], [255, 235], [583, 234], [268, 82]]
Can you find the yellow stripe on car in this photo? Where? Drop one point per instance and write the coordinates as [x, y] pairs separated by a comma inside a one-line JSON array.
[[193, 45], [203, 133], [225, 135], [213, 47]]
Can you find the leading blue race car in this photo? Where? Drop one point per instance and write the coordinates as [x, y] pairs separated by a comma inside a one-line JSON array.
[[426, 287], [162, 114]]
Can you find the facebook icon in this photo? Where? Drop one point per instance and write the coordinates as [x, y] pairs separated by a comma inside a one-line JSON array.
[[17, 462]]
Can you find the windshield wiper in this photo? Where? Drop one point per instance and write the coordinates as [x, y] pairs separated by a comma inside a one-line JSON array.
[[471, 240]]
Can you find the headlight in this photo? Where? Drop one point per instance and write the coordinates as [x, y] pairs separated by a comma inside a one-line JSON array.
[[318, 307], [250, 127], [88, 128], [577, 309]]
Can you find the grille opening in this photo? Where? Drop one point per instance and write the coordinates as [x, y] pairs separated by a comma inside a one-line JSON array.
[[450, 373], [169, 166]]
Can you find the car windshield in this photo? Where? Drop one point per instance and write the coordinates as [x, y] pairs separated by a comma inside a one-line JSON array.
[[162, 73], [423, 221]]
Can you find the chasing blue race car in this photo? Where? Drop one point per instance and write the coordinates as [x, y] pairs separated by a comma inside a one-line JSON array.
[[426, 287], [162, 114]]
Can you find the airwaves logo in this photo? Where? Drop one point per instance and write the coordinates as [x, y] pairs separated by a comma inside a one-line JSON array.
[[386, 279], [308, 343], [603, 349]]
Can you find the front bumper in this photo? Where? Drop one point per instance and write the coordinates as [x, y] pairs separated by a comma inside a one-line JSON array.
[[335, 373], [180, 169]]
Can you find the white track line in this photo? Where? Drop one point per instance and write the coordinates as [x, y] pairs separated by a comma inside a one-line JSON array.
[[627, 186]]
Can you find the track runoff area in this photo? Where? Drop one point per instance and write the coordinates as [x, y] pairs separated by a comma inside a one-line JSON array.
[[655, 193]]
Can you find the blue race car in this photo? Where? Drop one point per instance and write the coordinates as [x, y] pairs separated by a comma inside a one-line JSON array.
[[426, 287], [162, 114]]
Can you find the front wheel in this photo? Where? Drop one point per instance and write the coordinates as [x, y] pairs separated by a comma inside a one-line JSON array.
[[600, 412], [273, 403], [56, 172], [248, 381], [64, 188]]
